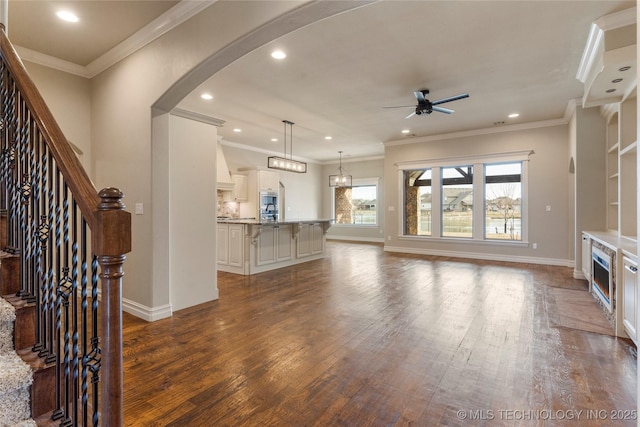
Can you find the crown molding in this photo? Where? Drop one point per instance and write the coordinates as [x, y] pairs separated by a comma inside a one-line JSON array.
[[186, 114], [175, 16], [477, 132], [51, 62], [595, 41]]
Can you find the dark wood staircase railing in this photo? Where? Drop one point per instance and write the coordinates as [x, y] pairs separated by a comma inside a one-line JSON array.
[[63, 249]]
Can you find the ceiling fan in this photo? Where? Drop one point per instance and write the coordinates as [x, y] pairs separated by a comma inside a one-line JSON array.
[[425, 106]]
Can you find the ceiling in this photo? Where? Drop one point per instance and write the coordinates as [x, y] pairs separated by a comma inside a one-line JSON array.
[[340, 73]]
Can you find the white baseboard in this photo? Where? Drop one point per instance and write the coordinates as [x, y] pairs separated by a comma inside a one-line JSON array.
[[578, 274], [482, 256], [356, 239], [150, 314]]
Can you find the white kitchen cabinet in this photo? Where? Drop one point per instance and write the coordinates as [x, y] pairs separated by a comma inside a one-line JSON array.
[[268, 180], [230, 244], [310, 240], [240, 189], [236, 245], [630, 297], [274, 244], [222, 244]]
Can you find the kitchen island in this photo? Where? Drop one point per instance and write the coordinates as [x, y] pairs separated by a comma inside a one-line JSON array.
[[247, 246]]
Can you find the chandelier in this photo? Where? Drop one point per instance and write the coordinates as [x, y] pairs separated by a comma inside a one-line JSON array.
[[283, 163], [342, 179]]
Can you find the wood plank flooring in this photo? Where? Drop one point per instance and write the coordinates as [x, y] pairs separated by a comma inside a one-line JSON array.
[[368, 338]]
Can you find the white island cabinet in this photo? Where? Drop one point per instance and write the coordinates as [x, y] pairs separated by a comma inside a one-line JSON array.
[[249, 247]]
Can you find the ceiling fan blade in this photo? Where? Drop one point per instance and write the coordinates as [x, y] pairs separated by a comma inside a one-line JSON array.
[[451, 98], [410, 115], [402, 106], [420, 95], [442, 110]]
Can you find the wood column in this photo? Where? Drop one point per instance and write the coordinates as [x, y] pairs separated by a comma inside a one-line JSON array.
[[112, 240]]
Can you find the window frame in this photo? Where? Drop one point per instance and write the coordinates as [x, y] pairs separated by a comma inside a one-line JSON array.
[[478, 163], [359, 182]]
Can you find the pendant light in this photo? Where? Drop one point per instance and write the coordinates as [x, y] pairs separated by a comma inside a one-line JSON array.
[[283, 163], [342, 179]]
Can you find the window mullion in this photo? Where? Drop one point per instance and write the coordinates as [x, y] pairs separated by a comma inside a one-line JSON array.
[[436, 203], [478, 201]]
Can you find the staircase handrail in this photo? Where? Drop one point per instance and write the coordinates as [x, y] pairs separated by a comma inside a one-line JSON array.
[[110, 227]]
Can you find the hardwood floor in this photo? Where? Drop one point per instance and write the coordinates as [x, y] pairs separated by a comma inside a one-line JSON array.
[[367, 338]]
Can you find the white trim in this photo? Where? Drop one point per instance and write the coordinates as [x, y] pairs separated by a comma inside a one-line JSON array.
[[486, 131], [595, 40], [356, 239], [173, 17], [511, 156], [619, 19], [51, 62], [150, 314], [190, 115], [482, 256], [594, 44], [154, 29]]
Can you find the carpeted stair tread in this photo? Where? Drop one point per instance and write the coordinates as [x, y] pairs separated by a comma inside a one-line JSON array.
[[7, 318], [15, 379]]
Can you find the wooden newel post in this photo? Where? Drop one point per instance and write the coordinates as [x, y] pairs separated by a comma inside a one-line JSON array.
[[111, 241]]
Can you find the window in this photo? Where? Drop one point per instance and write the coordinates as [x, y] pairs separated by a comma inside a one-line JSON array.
[[418, 196], [457, 201], [503, 197], [357, 205], [474, 198]]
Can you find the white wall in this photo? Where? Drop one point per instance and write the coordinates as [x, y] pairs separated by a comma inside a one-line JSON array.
[[69, 99], [548, 185], [192, 151], [590, 177]]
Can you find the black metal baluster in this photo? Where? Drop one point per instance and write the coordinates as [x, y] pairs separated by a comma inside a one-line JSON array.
[[43, 237], [85, 318], [94, 356], [55, 274], [76, 311]]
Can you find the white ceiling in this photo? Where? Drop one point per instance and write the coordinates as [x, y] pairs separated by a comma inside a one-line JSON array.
[[510, 56]]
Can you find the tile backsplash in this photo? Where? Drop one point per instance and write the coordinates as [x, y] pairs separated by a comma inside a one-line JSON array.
[[229, 209]]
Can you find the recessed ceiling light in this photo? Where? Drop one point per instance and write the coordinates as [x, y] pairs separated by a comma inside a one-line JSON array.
[[616, 80], [278, 54], [328, 137], [610, 90], [237, 130], [625, 68], [274, 139], [514, 115], [206, 96], [405, 131], [65, 15]]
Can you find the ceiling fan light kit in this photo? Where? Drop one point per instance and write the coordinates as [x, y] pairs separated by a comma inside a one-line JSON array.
[[342, 179], [283, 163]]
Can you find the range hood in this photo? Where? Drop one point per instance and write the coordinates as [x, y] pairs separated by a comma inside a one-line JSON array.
[[224, 180]]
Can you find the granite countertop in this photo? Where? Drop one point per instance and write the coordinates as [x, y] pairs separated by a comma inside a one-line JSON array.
[[253, 221]]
